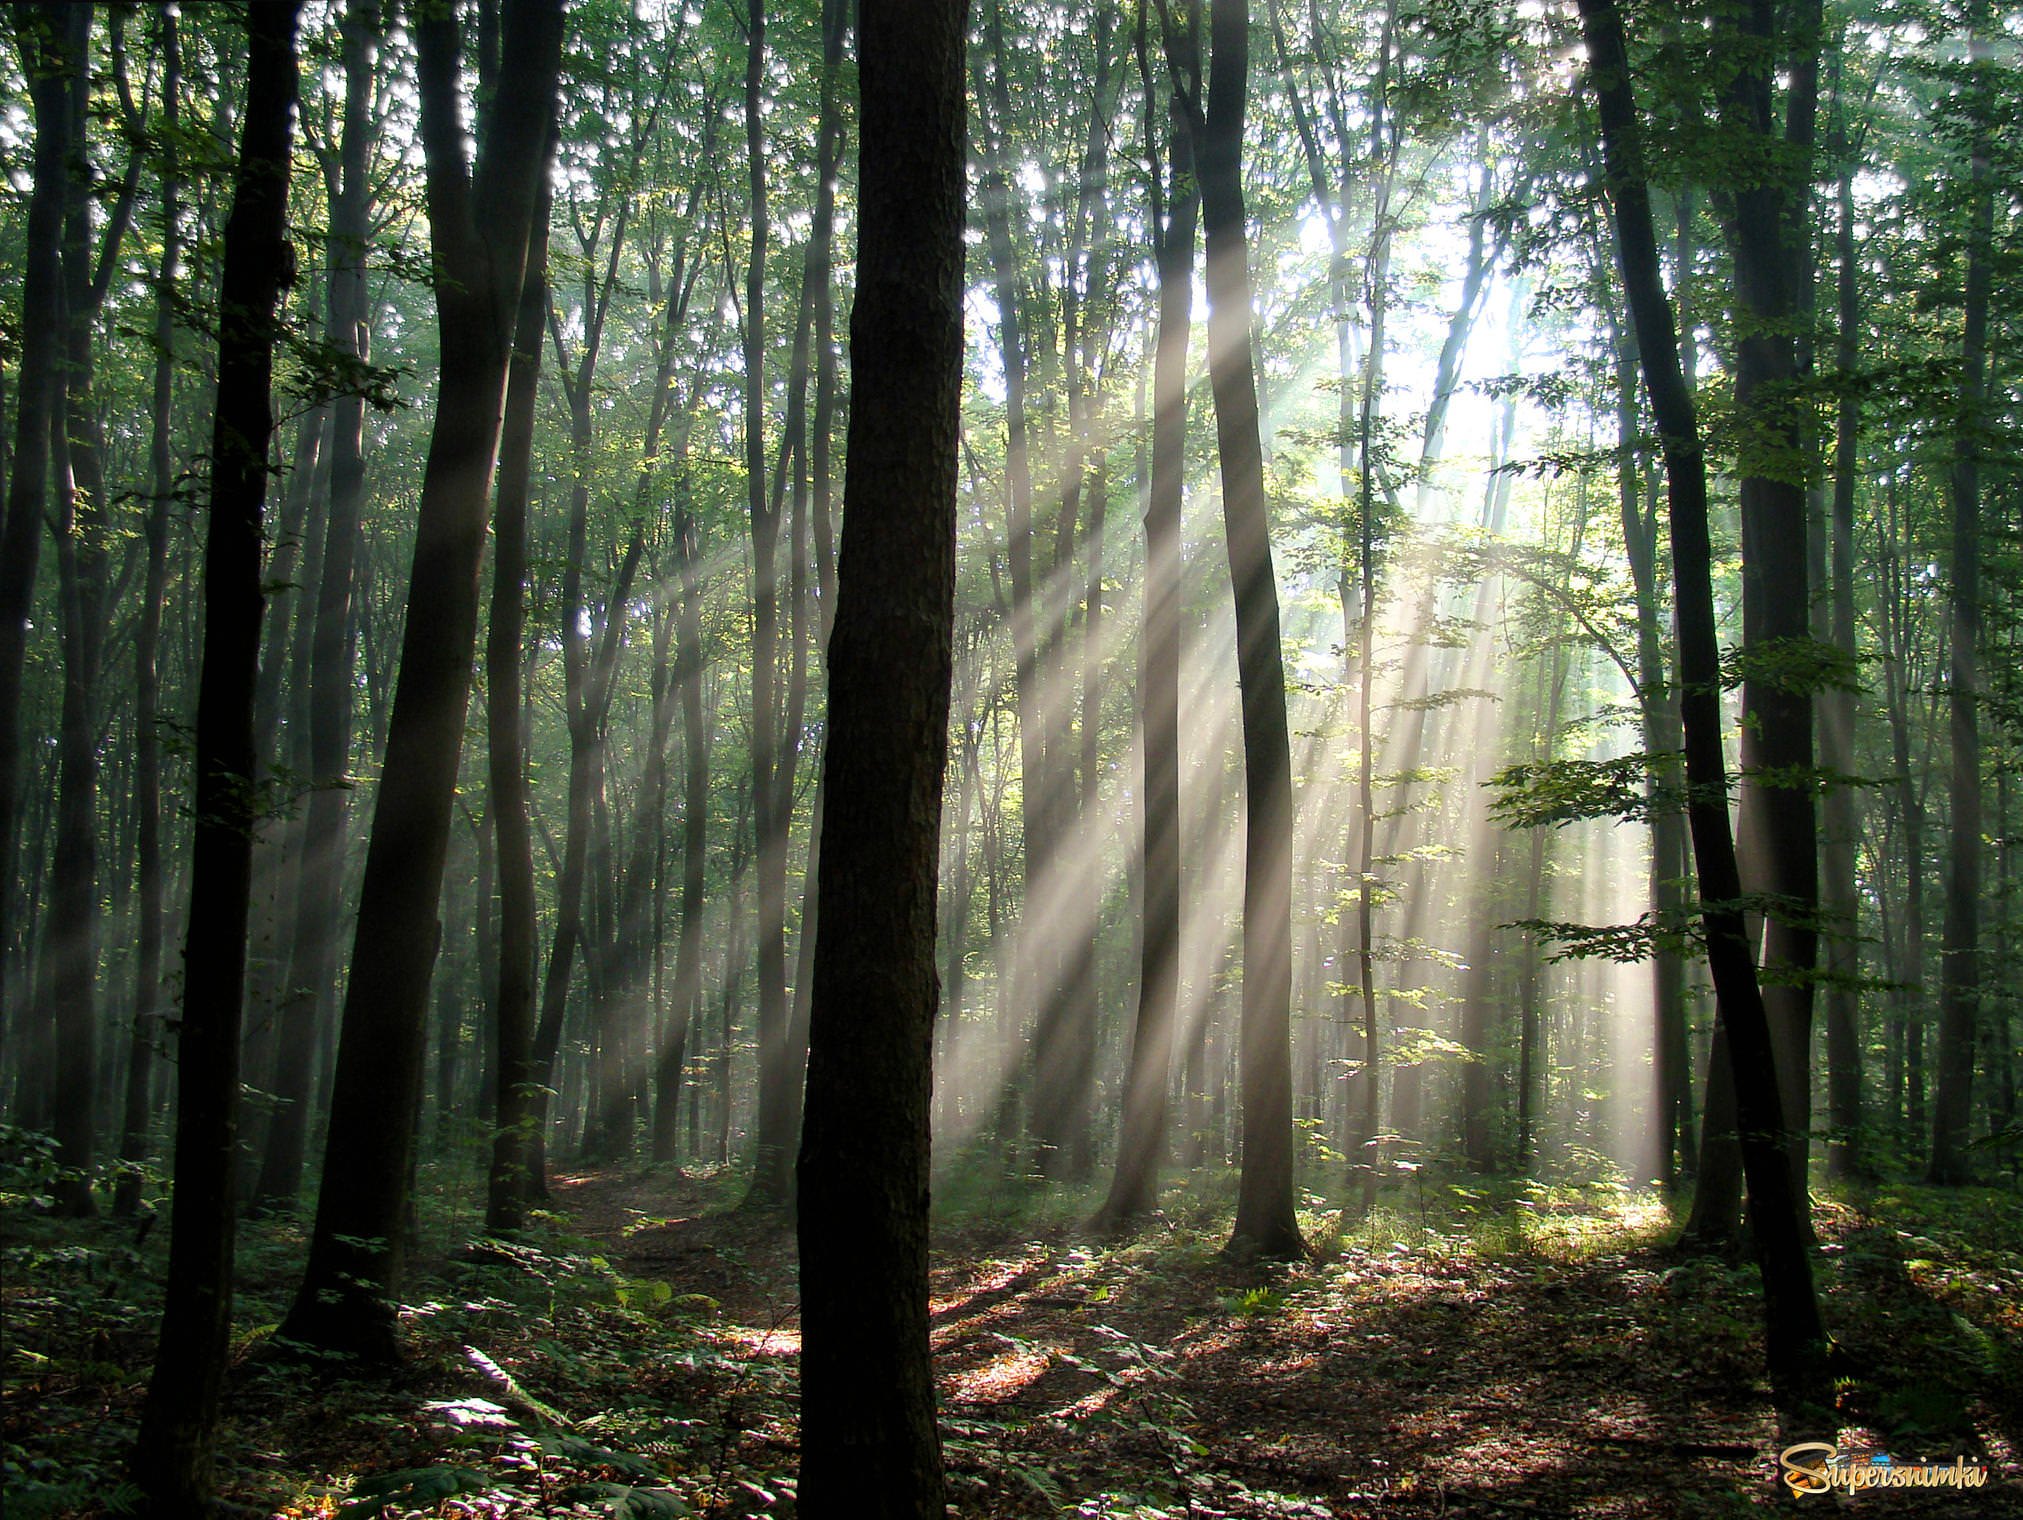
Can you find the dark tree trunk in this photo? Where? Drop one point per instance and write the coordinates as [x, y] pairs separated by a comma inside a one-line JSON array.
[[319, 874], [480, 229], [516, 1114], [47, 33], [867, 1386], [1795, 1336], [1777, 827], [1960, 951], [1841, 837], [147, 765], [172, 1462], [773, 1146], [1142, 1138], [71, 924], [1265, 1222]]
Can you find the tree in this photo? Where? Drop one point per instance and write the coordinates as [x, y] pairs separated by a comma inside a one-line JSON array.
[[178, 1434], [1265, 1224], [479, 220], [1794, 1334], [867, 1388], [332, 663], [47, 34], [1175, 206], [514, 1154], [1960, 969], [147, 770]]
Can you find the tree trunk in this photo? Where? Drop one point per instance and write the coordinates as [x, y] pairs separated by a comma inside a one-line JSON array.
[[1795, 1336], [1265, 1223], [319, 875], [71, 924], [1142, 1139], [178, 1437], [47, 34], [868, 1401], [516, 1113], [480, 229], [1960, 952], [1841, 837], [147, 773]]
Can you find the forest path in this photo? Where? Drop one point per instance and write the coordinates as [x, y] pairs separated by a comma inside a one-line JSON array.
[[1434, 1380]]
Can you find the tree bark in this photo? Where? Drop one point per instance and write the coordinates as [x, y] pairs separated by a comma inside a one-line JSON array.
[[1142, 1139], [147, 773], [516, 1113], [319, 874], [480, 226], [47, 34], [1960, 949], [868, 1400], [1795, 1336], [173, 1460], [1265, 1222]]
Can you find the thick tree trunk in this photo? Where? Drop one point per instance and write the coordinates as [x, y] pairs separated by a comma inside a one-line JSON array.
[[867, 1387], [179, 1426], [480, 237], [1777, 831], [47, 33], [1265, 1222]]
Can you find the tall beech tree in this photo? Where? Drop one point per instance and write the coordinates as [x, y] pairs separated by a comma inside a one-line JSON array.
[[332, 658], [479, 220], [1265, 1223], [867, 1385], [1794, 1333], [1960, 969], [46, 34], [1175, 207], [514, 1154], [148, 985], [178, 1436]]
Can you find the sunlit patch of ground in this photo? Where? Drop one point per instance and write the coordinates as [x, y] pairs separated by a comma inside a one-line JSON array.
[[1536, 1353]]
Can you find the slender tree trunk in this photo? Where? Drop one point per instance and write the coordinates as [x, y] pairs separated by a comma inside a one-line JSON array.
[[147, 773], [1841, 836], [1795, 1336], [516, 1114], [71, 925], [178, 1437], [479, 225], [319, 875], [1777, 828], [1265, 1223], [1142, 1139], [688, 671], [1960, 954]]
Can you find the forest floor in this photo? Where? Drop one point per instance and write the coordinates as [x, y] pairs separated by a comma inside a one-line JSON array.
[[1474, 1351]]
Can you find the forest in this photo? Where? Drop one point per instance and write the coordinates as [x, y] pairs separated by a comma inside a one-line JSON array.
[[1108, 758]]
